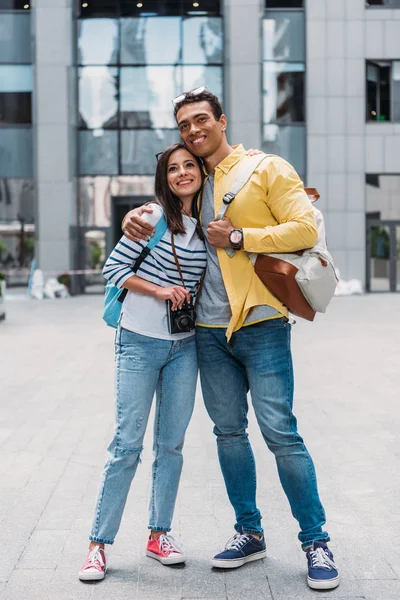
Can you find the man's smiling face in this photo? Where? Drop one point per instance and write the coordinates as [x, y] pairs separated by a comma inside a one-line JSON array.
[[201, 133]]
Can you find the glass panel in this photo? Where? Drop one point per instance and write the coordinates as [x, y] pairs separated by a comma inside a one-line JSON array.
[[211, 77], [203, 41], [15, 38], [372, 92], [15, 78], [288, 142], [98, 42], [382, 196], [98, 8], [283, 92], [138, 149], [98, 97], [396, 90], [15, 108], [379, 259], [140, 41], [16, 152], [17, 210], [284, 3], [146, 96], [384, 94], [201, 7], [284, 36], [98, 152]]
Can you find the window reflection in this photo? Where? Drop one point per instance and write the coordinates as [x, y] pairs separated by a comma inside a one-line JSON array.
[[284, 36], [15, 38], [140, 41], [146, 96], [211, 77], [98, 42], [98, 97], [288, 142], [16, 152], [202, 40], [98, 152], [283, 92], [139, 147]]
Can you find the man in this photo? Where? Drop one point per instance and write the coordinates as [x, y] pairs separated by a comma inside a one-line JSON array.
[[243, 334]]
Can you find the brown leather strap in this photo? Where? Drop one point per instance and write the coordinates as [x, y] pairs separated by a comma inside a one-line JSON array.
[[178, 266], [312, 193]]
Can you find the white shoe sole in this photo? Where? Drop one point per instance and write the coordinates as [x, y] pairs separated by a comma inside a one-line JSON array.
[[94, 576], [237, 562], [329, 584], [169, 560]]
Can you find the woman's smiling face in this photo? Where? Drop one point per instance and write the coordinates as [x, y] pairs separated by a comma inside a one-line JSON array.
[[183, 174]]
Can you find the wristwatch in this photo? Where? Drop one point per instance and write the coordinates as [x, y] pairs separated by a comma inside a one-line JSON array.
[[236, 239]]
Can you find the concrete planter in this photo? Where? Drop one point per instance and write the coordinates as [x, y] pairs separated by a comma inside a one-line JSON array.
[[2, 300]]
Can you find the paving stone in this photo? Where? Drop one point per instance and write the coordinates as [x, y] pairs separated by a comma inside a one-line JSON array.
[[27, 585]]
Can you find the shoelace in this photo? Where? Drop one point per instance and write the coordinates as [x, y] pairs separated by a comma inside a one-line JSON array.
[[95, 557], [321, 560], [237, 541], [169, 544]]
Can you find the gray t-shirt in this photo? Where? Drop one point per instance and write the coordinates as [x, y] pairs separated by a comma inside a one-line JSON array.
[[213, 307]]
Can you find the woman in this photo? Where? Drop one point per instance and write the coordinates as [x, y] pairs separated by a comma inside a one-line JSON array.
[[150, 359]]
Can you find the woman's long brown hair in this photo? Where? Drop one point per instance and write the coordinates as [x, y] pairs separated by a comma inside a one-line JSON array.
[[171, 204]]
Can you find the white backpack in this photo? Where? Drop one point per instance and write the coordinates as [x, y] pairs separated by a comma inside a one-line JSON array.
[[308, 275]]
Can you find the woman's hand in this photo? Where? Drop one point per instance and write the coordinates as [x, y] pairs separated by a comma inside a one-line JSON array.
[[134, 227], [177, 294]]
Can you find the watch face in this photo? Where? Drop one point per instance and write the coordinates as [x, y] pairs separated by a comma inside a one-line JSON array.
[[236, 237]]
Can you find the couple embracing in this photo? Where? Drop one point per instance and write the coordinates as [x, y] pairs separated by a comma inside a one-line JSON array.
[[240, 342]]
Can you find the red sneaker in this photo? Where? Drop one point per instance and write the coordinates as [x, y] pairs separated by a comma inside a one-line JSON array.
[[95, 565], [165, 549]]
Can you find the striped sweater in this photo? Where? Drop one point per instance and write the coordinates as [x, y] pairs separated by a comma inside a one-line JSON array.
[[144, 314]]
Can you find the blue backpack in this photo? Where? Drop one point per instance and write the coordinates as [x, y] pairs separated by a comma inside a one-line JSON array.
[[114, 296]]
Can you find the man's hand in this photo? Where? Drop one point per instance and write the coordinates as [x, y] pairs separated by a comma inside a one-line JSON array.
[[135, 228], [218, 233], [177, 294]]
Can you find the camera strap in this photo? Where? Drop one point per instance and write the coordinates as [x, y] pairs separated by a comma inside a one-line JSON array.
[[178, 266]]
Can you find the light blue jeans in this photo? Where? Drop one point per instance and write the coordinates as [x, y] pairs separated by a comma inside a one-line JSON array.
[[146, 365], [258, 358]]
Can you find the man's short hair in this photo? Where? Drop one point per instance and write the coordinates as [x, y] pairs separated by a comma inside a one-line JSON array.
[[205, 96]]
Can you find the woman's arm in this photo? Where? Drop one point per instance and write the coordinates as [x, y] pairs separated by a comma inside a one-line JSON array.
[[177, 294]]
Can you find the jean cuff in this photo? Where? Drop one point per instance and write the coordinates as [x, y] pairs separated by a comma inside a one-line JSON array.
[[159, 528], [99, 540]]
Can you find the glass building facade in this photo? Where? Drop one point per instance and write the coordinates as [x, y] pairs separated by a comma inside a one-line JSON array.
[[284, 82], [16, 146]]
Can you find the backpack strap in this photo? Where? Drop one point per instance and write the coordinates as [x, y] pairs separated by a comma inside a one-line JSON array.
[[160, 228], [246, 170]]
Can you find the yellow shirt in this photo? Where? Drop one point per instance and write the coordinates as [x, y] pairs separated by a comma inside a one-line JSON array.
[[275, 214]]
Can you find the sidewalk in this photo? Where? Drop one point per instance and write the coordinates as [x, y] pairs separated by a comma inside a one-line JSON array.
[[56, 418]]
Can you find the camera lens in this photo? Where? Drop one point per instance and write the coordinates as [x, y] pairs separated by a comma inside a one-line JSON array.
[[185, 323]]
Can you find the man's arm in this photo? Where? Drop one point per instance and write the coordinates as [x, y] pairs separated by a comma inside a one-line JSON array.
[[292, 209], [134, 227]]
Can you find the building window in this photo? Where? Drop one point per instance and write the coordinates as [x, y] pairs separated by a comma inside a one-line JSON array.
[[383, 91], [15, 95], [383, 3], [24, 5], [127, 81], [283, 85], [146, 8]]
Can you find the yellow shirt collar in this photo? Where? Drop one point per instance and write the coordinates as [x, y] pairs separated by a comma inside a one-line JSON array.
[[232, 159]]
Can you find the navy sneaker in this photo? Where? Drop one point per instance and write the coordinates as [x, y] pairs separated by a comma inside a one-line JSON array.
[[322, 571], [239, 550]]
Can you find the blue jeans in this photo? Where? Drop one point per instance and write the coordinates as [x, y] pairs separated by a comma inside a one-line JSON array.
[[146, 365], [258, 358]]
